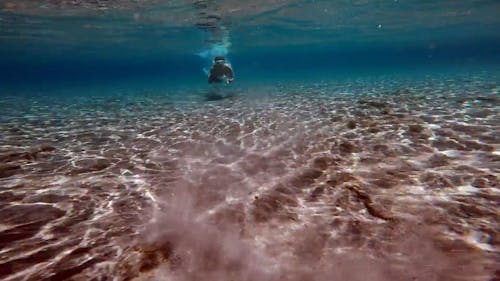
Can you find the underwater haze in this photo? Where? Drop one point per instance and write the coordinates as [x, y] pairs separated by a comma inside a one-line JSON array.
[[81, 42], [358, 141]]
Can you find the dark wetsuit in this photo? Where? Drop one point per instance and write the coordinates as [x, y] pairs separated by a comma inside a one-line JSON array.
[[220, 73]]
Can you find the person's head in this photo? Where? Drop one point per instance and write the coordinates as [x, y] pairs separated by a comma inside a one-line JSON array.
[[219, 60]]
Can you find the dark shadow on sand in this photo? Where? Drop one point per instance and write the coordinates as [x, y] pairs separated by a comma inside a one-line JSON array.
[[215, 96]]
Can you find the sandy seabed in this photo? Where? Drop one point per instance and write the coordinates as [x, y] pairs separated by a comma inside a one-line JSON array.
[[363, 180]]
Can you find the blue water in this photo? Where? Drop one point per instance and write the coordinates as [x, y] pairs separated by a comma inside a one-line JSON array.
[[62, 45]]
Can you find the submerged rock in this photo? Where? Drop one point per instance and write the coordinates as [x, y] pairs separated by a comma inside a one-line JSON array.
[[489, 181], [322, 163], [435, 181], [7, 170], [446, 144], [415, 128], [438, 160], [348, 147], [351, 124], [306, 178]]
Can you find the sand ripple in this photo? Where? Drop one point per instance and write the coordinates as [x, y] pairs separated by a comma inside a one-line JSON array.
[[325, 181]]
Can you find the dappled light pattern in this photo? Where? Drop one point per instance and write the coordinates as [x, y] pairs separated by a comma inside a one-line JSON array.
[[355, 180]]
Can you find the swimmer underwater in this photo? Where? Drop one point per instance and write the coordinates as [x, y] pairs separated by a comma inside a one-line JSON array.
[[220, 71]]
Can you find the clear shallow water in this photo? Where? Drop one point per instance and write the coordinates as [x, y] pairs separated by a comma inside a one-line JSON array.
[[361, 140]]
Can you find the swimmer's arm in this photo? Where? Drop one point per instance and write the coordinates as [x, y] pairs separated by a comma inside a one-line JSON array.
[[229, 73]]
